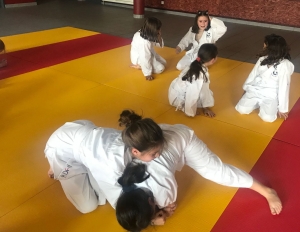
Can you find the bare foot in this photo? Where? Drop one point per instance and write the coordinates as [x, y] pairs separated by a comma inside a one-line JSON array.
[[136, 66], [270, 195], [51, 173], [274, 202]]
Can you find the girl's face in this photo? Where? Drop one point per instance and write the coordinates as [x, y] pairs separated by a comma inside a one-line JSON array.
[[159, 32], [148, 155], [202, 22], [265, 46], [211, 62]]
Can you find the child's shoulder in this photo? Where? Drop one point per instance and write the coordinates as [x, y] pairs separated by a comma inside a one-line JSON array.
[[260, 59], [287, 65], [286, 62]]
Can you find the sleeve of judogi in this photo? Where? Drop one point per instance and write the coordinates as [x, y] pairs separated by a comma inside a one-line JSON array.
[[145, 57], [218, 29], [210, 166], [284, 86], [186, 40]]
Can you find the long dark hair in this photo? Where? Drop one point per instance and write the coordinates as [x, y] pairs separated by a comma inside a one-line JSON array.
[[133, 210], [195, 28], [206, 53], [150, 29], [142, 134], [276, 50]]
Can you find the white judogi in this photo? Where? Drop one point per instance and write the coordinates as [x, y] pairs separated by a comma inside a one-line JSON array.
[[142, 53], [188, 96], [86, 158], [183, 147], [267, 89], [217, 30]]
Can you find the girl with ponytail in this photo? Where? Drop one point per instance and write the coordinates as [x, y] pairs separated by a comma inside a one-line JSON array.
[[190, 90], [136, 209]]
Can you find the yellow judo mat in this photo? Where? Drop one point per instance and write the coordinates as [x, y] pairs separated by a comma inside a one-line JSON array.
[[98, 87]]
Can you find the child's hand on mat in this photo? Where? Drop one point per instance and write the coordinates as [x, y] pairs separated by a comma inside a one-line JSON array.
[[160, 218], [207, 112], [177, 50], [170, 209], [51, 173], [283, 115]]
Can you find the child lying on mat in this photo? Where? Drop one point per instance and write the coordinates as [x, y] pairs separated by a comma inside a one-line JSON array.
[[3, 60]]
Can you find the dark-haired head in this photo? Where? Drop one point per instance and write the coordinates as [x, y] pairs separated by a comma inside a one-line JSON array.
[[275, 48], [143, 136], [151, 29], [2, 46], [207, 55], [135, 207], [204, 16]]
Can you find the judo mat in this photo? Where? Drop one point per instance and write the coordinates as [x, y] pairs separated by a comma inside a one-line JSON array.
[[65, 74]]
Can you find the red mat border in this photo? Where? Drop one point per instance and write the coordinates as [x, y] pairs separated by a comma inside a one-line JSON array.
[[279, 168], [32, 59]]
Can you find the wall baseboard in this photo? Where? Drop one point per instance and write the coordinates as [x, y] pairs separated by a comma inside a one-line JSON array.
[[20, 4], [237, 21]]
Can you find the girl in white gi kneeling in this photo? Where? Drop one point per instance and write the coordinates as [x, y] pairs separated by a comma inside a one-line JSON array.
[[142, 53], [267, 86], [190, 90], [206, 29]]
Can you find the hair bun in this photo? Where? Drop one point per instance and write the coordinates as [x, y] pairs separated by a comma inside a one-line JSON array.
[[128, 117]]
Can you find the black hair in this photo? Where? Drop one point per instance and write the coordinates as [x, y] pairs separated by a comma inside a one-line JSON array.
[[150, 29], [133, 210], [142, 134], [195, 28], [2, 46], [206, 53], [276, 49]]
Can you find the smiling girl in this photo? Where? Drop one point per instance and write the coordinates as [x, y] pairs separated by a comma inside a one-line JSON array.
[[206, 29]]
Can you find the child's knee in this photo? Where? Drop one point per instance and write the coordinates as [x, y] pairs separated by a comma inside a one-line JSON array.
[[87, 208], [243, 110], [267, 118], [180, 67], [159, 69]]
